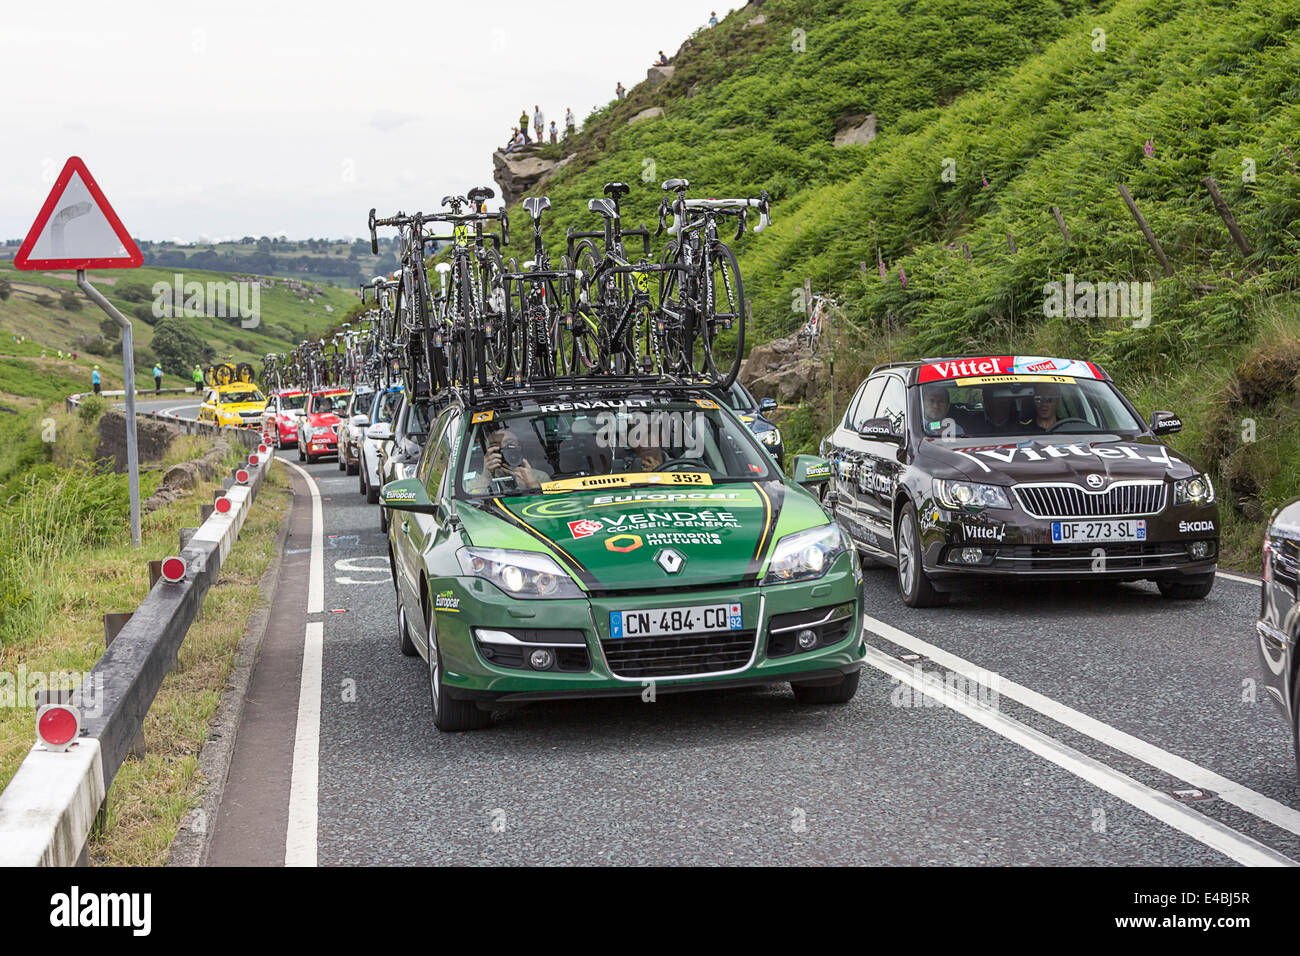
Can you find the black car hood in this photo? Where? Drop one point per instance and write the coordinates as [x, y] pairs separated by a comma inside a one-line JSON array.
[[1051, 458]]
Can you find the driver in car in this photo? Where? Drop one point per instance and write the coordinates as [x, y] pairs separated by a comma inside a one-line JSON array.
[[504, 458], [1047, 401], [936, 406], [649, 457]]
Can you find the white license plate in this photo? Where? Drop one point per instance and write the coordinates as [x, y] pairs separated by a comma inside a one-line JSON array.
[[658, 621], [1068, 532]]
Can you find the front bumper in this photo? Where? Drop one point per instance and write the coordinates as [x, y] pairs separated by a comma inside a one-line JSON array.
[[595, 664], [1015, 544]]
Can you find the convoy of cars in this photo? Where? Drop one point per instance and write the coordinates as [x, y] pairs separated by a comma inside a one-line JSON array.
[[533, 560]]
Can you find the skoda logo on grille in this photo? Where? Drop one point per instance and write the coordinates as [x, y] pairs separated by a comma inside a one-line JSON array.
[[1096, 481], [670, 559]]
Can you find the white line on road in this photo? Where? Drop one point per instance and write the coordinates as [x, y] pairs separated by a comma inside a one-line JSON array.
[[1238, 577], [1254, 803], [316, 574], [300, 838], [1161, 806]]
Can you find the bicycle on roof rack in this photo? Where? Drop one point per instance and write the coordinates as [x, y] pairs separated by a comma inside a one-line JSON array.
[[703, 296]]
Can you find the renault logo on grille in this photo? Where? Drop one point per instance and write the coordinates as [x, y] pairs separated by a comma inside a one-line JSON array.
[[1096, 481], [670, 559]]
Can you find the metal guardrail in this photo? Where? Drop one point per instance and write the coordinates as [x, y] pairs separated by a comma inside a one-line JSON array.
[[48, 808], [248, 436]]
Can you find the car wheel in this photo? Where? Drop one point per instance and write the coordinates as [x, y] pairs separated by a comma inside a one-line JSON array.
[[913, 585], [301, 450], [1190, 589], [383, 520], [355, 466], [449, 716], [838, 693], [342, 460], [372, 493], [1295, 721], [404, 642], [361, 482]]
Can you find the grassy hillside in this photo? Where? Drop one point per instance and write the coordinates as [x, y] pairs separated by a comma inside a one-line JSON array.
[[1023, 109], [288, 315]]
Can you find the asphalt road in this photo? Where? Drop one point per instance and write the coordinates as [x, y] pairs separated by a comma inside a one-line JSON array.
[[1093, 707]]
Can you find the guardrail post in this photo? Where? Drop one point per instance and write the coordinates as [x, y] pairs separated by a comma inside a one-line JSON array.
[[155, 572], [187, 533]]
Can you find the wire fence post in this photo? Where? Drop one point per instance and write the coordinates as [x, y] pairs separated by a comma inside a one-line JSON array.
[[1229, 219], [1146, 230]]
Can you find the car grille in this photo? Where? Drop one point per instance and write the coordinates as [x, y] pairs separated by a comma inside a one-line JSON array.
[[1070, 501], [679, 656], [1119, 556]]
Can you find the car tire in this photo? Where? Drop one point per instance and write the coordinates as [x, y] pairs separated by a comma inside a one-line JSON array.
[[838, 693], [361, 481], [913, 584], [355, 466], [302, 456], [383, 520], [449, 716], [404, 642], [372, 493], [342, 460], [1189, 589], [1295, 721]]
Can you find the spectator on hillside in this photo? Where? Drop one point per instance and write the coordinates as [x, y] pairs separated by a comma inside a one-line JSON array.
[[94, 379], [539, 122], [523, 125], [568, 121], [555, 133], [516, 139], [619, 91], [157, 379], [662, 61], [713, 19], [198, 379]]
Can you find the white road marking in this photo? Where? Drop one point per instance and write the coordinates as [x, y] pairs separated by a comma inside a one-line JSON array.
[[1238, 577], [1254, 803], [316, 573], [300, 837], [1206, 830]]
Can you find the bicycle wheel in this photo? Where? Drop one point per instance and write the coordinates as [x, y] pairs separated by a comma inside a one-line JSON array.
[[225, 374], [492, 309], [515, 324], [724, 318], [245, 373]]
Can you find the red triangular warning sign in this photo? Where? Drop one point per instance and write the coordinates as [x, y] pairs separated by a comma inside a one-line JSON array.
[[77, 228]]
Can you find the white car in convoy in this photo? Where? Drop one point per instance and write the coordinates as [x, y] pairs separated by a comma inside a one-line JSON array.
[[377, 432]]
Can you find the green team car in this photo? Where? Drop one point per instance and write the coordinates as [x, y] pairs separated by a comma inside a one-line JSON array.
[[636, 542]]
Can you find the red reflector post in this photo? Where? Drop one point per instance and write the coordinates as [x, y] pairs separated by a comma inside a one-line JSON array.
[[173, 570], [241, 476], [253, 459], [222, 505], [262, 449], [57, 726]]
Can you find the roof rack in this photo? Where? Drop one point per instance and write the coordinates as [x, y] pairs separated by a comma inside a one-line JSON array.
[[578, 388]]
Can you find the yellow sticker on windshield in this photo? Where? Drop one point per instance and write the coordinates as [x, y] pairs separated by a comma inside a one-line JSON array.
[[706, 403], [481, 417], [627, 479], [1005, 379]]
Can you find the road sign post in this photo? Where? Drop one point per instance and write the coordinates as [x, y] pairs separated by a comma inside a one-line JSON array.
[[77, 229]]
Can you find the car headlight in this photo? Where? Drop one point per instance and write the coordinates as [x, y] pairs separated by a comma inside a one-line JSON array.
[[772, 437], [521, 574], [1197, 490], [969, 495], [806, 554]]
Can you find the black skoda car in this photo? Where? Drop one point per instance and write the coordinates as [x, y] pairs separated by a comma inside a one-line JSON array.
[[954, 469], [1278, 624]]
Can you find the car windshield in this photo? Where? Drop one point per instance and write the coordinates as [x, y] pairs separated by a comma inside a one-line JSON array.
[[253, 396], [552, 448], [1024, 405], [388, 406], [322, 404], [740, 399], [292, 403], [362, 403], [417, 422]]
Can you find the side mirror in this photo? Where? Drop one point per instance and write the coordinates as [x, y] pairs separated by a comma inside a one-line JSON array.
[[380, 431], [879, 429], [359, 421], [1165, 423], [406, 495], [811, 470], [767, 404]]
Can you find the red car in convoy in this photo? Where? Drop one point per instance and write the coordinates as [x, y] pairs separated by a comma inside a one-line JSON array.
[[318, 429], [280, 417]]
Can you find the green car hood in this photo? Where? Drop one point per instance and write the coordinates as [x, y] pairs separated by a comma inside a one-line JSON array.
[[612, 540]]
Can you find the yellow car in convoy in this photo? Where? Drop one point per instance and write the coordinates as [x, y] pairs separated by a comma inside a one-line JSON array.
[[238, 404]]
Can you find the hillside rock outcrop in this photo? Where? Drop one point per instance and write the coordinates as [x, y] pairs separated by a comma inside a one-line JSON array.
[[522, 172], [657, 76], [781, 370], [857, 129]]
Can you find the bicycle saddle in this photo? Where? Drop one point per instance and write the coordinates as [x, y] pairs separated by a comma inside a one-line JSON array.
[[480, 193], [535, 205], [617, 189], [606, 207], [453, 200], [673, 185]]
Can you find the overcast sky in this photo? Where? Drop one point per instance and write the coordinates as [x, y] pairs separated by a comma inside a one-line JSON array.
[[202, 121]]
